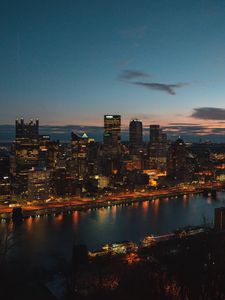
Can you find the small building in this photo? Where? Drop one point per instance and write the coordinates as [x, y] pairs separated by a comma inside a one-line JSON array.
[[220, 175]]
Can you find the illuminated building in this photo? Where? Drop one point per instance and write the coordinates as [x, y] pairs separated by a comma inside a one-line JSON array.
[[148, 241], [120, 248], [220, 175], [64, 155], [155, 133], [103, 181], [39, 187], [176, 163], [132, 162], [4, 163], [29, 151], [157, 150], [112, 128], [79, 155], [111, 162], [94, 159], [112, 134], [27, 130], [25, 151], [135, 133], [48, 152], [219, 219], [5, 181], [97, 182]]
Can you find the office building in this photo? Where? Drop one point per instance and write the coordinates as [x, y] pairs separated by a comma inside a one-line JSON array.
[[39, 187], [79, 155], [48, 152], [176, 160], [157, 149], [135, 133], [112, 135], [155, 133], [27, 130], [25, 154], [30, 151], [5, 180]]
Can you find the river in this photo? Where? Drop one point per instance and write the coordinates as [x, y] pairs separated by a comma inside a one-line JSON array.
[[49, 238]]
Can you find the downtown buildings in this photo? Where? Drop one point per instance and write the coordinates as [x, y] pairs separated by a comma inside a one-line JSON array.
[[38, 168], [32, 156]]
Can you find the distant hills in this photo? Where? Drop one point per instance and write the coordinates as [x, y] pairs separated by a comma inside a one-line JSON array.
[[62, 133]]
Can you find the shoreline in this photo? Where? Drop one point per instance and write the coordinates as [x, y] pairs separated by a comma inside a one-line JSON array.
[[68, 207]]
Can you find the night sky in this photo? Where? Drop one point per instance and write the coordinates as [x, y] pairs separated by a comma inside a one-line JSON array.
[[70, 62]]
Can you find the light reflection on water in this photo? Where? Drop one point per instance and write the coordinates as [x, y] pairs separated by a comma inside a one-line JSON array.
[[47, 237]]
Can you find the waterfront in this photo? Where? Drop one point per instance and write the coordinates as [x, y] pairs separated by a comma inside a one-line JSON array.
[[46, 239]]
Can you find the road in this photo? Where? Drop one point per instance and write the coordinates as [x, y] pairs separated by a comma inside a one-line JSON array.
[[111, 199]]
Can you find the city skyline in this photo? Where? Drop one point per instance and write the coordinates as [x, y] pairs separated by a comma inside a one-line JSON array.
[[112, 149], [189, 132], [60, 63]]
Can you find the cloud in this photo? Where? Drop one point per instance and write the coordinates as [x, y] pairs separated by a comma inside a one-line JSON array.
[[209, 113], [168, 88], [131, 74], [183, 124], [136, 32], [185, 129]]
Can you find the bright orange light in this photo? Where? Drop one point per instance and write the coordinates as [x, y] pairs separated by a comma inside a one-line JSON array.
[[29, 222], [59, 218], [75, 217], [153, 182], [114, 208], [132, 258], [145, 206]]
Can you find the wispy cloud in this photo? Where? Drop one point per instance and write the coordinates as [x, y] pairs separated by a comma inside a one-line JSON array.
[[135, 32], [209, 113], [131, 74], [168, 88], [182, 124]]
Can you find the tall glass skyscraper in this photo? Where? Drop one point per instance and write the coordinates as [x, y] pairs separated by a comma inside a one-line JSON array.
[[112, 129]]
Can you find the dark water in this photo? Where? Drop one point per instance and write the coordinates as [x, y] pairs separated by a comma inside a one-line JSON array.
[[48, 238]]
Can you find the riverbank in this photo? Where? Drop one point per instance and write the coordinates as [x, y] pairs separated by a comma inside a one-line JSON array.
[[85, 204], [126, 247]]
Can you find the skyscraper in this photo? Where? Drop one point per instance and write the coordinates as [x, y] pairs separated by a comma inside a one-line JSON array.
[[111, 144], [79, 152], [112, 129], [25, 153], [112, 134], [27, 130], [135, 133], [176, 161], [155, 133], [157, 149], [39, 187]]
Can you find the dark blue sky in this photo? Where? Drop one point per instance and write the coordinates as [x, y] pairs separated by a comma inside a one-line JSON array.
[[69, 62]]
